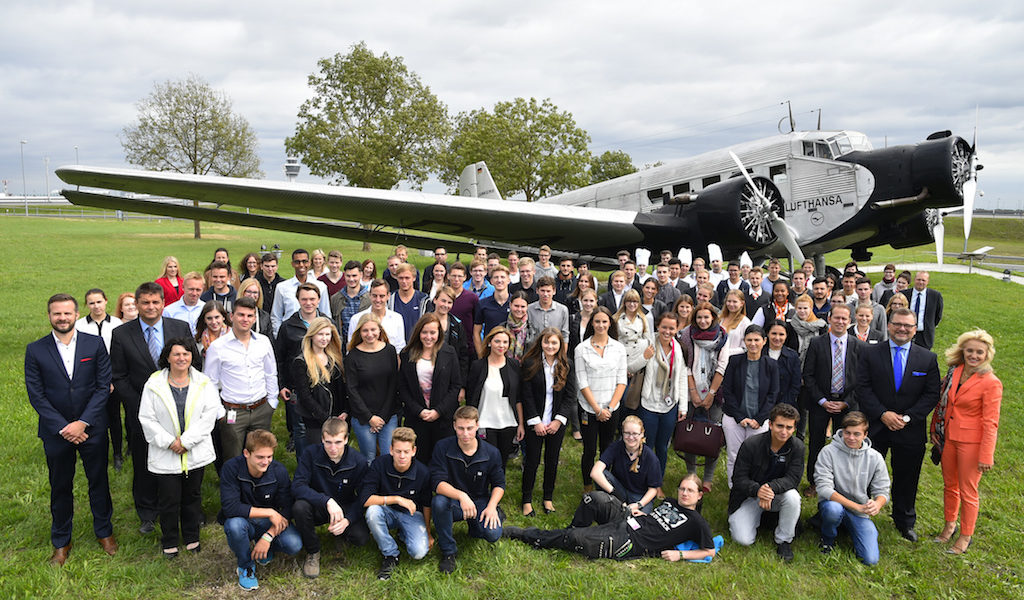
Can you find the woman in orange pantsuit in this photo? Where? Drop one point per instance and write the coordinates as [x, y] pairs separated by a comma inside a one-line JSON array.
[[965, 425]]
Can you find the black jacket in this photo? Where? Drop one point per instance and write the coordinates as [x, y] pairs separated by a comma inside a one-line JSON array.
[[818, 370], [287, 346], [240, 491], [790, 377], [318, 478], [534, 393], [456, 337], [445, 386], [317, 403], [754, 460], [478, 374], [736, 375]]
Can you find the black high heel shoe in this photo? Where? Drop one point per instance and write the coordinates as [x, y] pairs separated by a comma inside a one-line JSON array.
[[532, 512]]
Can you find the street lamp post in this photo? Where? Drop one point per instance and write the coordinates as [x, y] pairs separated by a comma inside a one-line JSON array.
[[46, 171], [24, 188]]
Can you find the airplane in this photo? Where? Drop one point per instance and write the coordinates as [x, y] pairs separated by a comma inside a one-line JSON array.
[[793, 194]]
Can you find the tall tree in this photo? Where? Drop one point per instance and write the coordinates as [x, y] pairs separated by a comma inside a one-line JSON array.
[[188, 127], [609, 165], [371, 122], [530, 148]]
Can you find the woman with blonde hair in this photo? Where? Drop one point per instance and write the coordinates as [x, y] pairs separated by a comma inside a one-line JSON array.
[[371, 370], [251, 288], [170, 280], [734, 320], [318, 263], [636, 336], [896, 301], [629, 470], [964, 428], [318, 377], [806, 324]]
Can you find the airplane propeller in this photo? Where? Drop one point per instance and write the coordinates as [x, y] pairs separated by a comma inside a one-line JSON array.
[[970, 187], [778, 225]]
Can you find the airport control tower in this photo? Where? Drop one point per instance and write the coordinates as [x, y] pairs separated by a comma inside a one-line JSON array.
[[291, 168]]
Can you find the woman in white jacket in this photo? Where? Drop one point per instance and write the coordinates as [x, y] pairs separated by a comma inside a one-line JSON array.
[[179, 408], [663, 399]]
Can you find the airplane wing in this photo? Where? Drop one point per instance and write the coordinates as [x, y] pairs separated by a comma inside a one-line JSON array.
[[523, 224]]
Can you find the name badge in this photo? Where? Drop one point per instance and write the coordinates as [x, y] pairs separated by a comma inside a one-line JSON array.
[[633, 524], [232, 415]]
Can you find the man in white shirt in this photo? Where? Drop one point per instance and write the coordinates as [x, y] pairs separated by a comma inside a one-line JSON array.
[[241, 364], [188, 307], [97, 322], [284, 295], [390, 321]]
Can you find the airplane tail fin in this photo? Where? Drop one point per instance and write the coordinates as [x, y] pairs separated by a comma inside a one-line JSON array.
[[476, 182]]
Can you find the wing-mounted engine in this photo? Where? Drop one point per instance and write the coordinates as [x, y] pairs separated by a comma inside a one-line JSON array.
[[737, 216]]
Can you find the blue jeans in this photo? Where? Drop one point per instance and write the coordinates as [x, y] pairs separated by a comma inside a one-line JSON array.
[[658, 429], [368, 440], [381, 519], [862, 530], [445, 512], [241, 531]]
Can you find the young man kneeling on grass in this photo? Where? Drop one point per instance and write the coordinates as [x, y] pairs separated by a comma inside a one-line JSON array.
[[396, 494], [623, 534], [469, 482], [326, 484], [853, 486], [256, 501]]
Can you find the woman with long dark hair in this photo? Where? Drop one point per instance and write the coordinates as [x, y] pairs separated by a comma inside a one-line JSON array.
[[429, 382], [493, 388], [371, 367], [549, 397], [212, 323], [601, 375]]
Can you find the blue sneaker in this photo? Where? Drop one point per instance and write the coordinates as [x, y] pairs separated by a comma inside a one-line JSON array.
[[266, 561], [247, 578]]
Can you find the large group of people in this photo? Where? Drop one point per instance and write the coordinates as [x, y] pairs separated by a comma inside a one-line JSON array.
[[444, 376]]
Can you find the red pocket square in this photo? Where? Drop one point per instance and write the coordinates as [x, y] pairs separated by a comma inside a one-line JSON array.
[[86, 359]]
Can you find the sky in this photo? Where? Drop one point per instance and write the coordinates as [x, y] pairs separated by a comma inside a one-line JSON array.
[[658, 79]]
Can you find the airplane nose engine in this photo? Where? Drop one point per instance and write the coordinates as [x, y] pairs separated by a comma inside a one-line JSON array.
[[942, 164], [737, 217]]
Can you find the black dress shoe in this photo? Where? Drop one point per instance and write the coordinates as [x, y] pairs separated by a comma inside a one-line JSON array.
[[909, 534], [147, 526], [118, 462]]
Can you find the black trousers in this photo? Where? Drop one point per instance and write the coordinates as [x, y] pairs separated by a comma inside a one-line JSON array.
[[307, 517], [144, 485], [533, 444], [114, 428], [593, 431], [817, 423], [609, 539], [61, 461], [906, 472], [504, 440], [181, 502], [428, 435]]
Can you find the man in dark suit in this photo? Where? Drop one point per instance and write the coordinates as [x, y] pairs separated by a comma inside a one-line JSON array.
[[756, 297], [926, 304], [67, 377], [830, 379], [897, 386], [612, 299], [134, 350]]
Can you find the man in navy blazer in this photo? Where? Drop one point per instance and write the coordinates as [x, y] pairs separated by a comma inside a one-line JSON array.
[[829, 395], [898, 408], [67, 376], [132, 362], [926, 304]]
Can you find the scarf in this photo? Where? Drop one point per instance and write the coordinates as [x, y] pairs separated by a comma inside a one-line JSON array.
[[663, 378], [704, 363], [781, 311], [208, 338], [805, 330], [518, 342]]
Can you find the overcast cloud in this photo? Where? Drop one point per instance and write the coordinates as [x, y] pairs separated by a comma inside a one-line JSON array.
[[658, 79]]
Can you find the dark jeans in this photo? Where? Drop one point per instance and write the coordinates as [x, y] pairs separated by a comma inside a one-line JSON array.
[[592, 431], [445, 512], [181, 501], [504, 440], [552, 447], [307, 517]]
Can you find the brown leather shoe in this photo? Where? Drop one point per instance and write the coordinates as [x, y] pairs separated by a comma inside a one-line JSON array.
[[109, 545], [60, 555]]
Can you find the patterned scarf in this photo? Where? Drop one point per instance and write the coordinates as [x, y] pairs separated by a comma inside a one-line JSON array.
[[517, 347]]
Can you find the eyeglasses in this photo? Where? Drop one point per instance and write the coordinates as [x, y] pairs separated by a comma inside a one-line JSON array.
[[903, 325], [630, 434]]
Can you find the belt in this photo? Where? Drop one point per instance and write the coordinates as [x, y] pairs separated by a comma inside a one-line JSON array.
[[252, 406]]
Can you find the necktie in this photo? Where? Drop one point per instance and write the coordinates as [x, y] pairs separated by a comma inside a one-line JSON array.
[[837, 368], [897, 368], [917, 307], [153, 343]]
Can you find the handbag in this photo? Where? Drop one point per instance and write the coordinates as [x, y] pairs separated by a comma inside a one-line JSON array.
[[698, 435], [636, 386]]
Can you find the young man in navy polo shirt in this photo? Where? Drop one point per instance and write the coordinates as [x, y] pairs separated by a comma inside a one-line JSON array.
[[396, 494], [469, 482], [492, 310]]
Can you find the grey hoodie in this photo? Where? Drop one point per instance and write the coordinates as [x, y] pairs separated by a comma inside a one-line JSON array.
[[858, 475]]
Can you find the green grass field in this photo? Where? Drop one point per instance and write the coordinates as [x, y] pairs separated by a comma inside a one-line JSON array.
[[44, 256]]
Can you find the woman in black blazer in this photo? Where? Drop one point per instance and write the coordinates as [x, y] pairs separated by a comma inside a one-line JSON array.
[[740, 420], [429, 382], [545, 421], [493, 388], [790, 377]]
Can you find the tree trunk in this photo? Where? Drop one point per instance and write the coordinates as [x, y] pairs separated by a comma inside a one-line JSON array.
[[368, 227], [197, 234]]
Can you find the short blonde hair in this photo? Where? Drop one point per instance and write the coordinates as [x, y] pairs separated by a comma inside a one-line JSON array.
[[955, 353]]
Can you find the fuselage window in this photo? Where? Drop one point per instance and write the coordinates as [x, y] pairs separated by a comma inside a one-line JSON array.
[[681, 188], [708, 181]]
